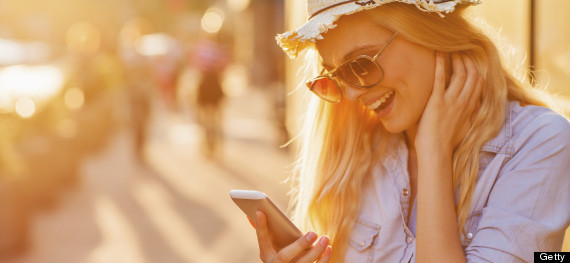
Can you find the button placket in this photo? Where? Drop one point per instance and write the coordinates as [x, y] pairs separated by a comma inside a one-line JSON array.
[[405, 202]]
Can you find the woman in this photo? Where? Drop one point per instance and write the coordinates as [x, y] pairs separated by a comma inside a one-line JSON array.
[[423, 146]]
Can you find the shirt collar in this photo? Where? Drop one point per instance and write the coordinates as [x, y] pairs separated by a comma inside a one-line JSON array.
[[502, 142]]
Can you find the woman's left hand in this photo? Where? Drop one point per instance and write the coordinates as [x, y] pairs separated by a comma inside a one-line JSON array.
[[449, 110]]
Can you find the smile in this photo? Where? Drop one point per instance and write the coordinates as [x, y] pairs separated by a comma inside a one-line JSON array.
[[380, 103]]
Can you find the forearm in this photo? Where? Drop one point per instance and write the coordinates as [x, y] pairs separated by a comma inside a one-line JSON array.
[[437, 236]]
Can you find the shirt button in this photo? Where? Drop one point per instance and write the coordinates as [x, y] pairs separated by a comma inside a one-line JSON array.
[[405, 192], [409, 240], [469, 235]]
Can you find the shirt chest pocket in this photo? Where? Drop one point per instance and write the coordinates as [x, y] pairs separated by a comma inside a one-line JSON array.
[[362, 240]]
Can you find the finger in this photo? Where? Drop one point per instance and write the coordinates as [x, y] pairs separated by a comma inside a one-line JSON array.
[[326, 256], [316, 251], [296, 248], [458, 76], [266, 249], [471, 82], [439, 80]]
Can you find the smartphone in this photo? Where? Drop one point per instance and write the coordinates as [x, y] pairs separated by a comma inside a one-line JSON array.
[[282, 230]]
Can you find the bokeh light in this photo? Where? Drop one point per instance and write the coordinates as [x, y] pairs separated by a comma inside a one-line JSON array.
[[154, 44], [74, 98], [83, 38], [25, 107], [213, 20], [133, 30]]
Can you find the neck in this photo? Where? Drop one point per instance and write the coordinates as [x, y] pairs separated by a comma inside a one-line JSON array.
[[411, 137]]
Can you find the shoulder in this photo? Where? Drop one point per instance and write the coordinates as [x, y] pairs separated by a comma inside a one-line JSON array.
[[537, 124]]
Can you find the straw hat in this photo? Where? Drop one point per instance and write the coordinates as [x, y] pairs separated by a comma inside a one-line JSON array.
[[322, 15]]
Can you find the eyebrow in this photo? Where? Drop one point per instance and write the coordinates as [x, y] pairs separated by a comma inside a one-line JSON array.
[[350, 54]]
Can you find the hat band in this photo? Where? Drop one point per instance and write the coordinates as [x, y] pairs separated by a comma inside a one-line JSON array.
[[342, 3]]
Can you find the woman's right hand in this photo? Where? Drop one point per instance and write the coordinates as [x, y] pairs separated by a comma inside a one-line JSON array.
[[300, 251]]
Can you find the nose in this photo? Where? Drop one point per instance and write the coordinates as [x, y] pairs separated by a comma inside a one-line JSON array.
[[352, 93]]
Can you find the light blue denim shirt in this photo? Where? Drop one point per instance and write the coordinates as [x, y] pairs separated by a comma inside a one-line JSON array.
[[521, 202]]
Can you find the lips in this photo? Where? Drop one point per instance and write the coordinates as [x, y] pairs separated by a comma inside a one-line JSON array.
[[382, 102]]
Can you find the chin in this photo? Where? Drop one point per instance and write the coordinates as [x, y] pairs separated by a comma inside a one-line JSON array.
[[393, 126]]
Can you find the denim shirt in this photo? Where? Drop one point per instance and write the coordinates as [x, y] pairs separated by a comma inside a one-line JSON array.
[[521, 202]]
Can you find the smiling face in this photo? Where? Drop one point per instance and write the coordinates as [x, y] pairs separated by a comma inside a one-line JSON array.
[[400, 98]]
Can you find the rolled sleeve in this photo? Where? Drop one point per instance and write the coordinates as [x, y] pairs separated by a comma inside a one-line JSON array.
[[528, 208]]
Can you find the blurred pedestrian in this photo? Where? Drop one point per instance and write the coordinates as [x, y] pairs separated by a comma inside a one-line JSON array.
[[166, 69], [139, 92], [210, 58]]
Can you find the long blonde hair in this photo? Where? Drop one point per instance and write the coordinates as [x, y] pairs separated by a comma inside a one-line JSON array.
[[341, 142]]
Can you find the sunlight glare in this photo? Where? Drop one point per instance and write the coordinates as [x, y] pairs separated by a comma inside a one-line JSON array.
[[119, 240], [39, 83]]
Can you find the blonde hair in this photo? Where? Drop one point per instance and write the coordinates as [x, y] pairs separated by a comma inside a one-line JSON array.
[[341, 142]]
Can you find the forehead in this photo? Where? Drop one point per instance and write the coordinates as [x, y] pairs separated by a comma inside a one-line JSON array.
[[353, 32]]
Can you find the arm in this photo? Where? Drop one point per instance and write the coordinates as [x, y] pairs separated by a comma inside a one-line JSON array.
[[527, 210], [443, 125], [437, 237]]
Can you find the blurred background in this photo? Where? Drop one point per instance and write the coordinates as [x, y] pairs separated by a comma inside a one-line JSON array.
[[125, 123]]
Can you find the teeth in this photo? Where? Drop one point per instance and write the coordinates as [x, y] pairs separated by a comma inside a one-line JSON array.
[[379, 102]]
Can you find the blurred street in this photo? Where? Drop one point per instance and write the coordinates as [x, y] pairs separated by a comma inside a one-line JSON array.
[[175, 209]]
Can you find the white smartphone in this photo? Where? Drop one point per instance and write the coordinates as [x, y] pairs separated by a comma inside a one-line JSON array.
[[283, 231]]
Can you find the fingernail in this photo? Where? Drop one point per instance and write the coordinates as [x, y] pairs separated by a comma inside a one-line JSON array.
[[324, 240], [258, 213], [311, 236], [328, 251]]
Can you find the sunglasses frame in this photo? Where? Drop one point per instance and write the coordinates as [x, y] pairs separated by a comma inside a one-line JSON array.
[[333, 76]]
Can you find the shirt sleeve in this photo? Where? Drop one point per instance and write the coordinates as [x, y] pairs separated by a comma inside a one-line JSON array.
[[528, 208]]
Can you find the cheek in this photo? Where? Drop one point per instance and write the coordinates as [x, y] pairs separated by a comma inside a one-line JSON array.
[[412, 75], [413, 78]]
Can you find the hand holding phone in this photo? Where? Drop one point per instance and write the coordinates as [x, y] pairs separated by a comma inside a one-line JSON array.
[[283, 231], [279, 239]]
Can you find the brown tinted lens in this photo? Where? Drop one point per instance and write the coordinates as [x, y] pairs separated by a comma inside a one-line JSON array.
[[360, 72], [325, 88]]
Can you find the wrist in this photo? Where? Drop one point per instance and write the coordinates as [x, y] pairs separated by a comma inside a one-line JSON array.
[[433, 151]]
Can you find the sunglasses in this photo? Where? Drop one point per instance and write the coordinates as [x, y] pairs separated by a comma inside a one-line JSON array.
[[361, 72]]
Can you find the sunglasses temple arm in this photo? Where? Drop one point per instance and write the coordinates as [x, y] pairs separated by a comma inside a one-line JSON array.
[[385, 45]]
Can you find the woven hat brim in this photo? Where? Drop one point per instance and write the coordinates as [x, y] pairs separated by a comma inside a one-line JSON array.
[[295, 41]]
